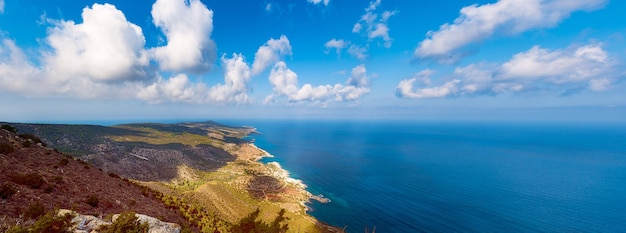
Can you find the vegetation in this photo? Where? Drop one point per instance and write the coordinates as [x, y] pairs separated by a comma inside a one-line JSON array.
[[126, 222], [50, 222], [251, 224], [63, 162], [34, 211], [6, 148], [7, 190], [33, 138], [9, 128], [32, 180], [92, 200]]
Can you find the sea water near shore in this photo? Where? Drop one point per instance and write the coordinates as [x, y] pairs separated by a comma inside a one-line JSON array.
[[456, 177]]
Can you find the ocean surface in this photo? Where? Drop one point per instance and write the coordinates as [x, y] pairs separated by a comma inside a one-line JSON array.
[[456, 177]]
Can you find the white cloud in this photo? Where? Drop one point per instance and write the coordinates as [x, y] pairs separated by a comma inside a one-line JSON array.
[[236, 77], [478, 22], [1, 6], [104, 47], [15, 70], [174, 89], [187, 24], [269, 53], [319, 1], [335, 44], [285, 83], [268, 7], [406, 88], [358, 52], [374, 26], [538, 69], [560, 66]]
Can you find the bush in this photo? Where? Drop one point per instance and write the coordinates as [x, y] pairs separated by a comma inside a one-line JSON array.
[[32, 180], [51, 222], [93, 200], [31, 137], [9, 128], [49, 188], [126, 222], [7, 190], [34, 210], [63, 162], [6, 148]]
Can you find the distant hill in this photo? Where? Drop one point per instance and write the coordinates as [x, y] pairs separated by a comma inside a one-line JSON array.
[[146, 151]]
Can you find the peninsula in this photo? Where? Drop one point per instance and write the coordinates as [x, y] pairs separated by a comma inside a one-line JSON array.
[[211, 168]]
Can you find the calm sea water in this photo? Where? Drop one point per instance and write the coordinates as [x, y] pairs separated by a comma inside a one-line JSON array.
[[457, 177]]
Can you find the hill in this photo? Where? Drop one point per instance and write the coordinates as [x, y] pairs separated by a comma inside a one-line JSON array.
[[35, 179], [208, 171]]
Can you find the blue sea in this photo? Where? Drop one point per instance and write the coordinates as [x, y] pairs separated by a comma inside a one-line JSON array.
[[456, 177]]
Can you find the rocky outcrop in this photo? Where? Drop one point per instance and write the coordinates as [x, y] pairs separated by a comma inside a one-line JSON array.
[[91, 224]]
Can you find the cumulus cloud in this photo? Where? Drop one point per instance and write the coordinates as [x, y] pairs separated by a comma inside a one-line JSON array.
[[375, 25], [479, 22], [269, 53], [319, 1], [180, 89], [285, 84], [335, 44], [565, 71], [105, 57], [104, 47], [187, 25], [236, 77]]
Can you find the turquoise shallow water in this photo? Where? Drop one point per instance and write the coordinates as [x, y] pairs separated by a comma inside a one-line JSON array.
[[456, 177]]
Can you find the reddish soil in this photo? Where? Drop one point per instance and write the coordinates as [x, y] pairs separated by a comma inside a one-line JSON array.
[[69, 185]]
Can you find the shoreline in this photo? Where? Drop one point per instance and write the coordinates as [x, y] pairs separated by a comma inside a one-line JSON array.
[[278, 172]]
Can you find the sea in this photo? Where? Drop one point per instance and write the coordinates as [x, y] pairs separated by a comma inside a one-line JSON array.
[[403, 176]]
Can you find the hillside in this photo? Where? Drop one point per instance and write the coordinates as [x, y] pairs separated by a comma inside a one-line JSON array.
[[33, 176], [207, 170]]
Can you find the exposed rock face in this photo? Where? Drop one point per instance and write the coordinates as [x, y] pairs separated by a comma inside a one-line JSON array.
[[91, 224]]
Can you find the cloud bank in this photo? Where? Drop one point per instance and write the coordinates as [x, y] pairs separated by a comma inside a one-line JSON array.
[[508, 17], [538, 70], [285, 84]]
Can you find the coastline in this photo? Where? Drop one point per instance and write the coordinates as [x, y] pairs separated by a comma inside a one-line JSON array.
[[278, 172]]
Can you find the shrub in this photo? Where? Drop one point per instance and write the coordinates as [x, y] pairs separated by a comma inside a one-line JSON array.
[[31, 137], [51, 222], [63, 162], [6, 148], [126, 222], [9, 128], [48, 188], [26, 143], [111, 174], [93, 200], [57, 179], [7, 190], [34, 210], [32, 180]]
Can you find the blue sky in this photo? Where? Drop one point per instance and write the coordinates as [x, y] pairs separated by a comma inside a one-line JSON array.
[[189, 59]]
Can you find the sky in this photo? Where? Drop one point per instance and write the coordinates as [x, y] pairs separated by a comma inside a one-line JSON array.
[[82, 60]]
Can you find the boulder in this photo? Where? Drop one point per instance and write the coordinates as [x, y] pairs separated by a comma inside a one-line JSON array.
[[91, 224]]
